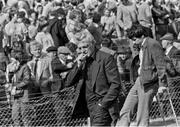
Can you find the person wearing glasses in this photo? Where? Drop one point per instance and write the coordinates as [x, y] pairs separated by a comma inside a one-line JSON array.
[[96, 77]]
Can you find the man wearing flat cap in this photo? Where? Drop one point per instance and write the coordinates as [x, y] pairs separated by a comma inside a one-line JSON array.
[[167, 44], [59, 66], [52, 51], [173, 54]]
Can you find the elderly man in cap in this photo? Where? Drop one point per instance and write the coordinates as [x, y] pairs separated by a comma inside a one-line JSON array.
[[52, 52], [167, 44], [173, 54], [59, 66]]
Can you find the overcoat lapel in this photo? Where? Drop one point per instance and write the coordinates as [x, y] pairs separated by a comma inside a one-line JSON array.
[[95, 71]]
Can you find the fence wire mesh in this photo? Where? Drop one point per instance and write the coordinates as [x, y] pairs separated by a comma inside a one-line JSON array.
[[55, 110], [51, 110]]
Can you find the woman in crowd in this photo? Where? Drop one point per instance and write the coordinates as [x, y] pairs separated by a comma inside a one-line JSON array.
[[44, 37]]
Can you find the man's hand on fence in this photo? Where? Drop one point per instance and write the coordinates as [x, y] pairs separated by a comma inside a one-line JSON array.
[[161, 89]]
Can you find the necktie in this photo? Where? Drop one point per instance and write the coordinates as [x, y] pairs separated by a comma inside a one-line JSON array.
[[35, 68]]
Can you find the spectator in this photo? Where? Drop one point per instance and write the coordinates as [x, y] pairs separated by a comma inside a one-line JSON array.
[[108, 23], [167, 44], [126, 17], [51, 52], [146, 85], [44, 37], [39, 10], [49, 7], [21, 29], [124, 60], [41, 70], [96, 29], [23, 6], [73, 22], [10, 28], [105, 47], [145, 17], [59, 66], [102, 7], [21, 77], [96, 92], [72, 47], [160, 17], [55, 28]]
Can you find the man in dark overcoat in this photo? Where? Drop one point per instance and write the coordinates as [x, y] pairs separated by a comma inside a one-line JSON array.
[[97, 84]]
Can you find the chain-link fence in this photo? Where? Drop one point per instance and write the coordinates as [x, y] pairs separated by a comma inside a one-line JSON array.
[[50, 110], [56, 109]]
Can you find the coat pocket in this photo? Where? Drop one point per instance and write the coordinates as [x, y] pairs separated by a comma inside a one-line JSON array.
[[148, 76]]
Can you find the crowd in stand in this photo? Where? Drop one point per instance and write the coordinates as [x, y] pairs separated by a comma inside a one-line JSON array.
[[40, 41]]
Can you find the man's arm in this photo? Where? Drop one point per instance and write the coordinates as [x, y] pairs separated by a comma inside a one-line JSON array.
[[58, 67], [73, 76], [113, 78], [26, 78]]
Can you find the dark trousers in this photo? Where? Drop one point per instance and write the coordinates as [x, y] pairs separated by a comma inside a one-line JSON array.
[[99, 116], [140, 98]]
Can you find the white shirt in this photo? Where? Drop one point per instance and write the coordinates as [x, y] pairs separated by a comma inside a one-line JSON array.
[[168, 50], [141, 56], [38, 67]]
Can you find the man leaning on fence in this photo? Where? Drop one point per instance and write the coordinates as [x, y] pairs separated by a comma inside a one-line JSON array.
[[151, 76], [97, 84]]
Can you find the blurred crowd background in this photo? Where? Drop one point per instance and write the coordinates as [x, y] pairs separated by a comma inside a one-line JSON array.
[[50, 30]]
